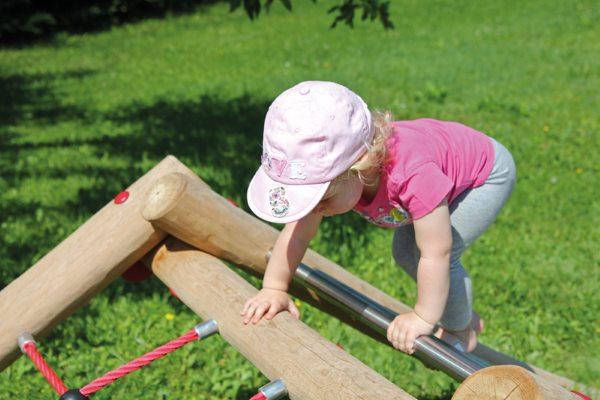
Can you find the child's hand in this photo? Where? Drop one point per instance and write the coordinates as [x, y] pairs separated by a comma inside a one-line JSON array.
[[269, 301], [405, 329]]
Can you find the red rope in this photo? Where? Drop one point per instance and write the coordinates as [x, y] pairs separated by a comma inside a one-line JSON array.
[[583, 396], [31, 350], [258, 396], [138, 363]]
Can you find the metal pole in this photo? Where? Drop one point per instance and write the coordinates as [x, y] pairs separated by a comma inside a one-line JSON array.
[[429, 349]]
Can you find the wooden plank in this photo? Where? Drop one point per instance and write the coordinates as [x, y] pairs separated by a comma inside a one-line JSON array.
[[188, 209], [89, 259], [284, 347]]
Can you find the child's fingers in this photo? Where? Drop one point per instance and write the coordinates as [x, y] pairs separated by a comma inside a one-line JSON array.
[[409, 343], [273, 311], [390, 332], [393, 333], [249, 313], [405, 343], [294, 310], [396, 335], [260, 312], [247, 305], [402, 340]]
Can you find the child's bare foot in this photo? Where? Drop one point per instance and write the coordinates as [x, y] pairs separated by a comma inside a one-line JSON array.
[[466, 337]]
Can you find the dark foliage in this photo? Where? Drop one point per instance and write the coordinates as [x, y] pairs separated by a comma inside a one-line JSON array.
[[372, 9], [21, 20], [24, 20], [232, 127]]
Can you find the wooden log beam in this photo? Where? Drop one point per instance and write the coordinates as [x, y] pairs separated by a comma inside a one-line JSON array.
[[510, 382], [83, 264], [311, 367], [185, 207]]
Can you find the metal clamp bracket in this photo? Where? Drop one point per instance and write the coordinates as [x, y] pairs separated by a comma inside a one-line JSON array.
[[206, 329]]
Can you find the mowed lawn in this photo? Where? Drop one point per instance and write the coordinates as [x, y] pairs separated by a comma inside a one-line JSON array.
[[83, 116]]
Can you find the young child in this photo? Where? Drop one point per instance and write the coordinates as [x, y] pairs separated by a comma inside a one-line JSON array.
[[439, 184]]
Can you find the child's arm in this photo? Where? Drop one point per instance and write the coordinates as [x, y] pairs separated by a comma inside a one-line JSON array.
[[433, 234], [287, 253], [289, 250]]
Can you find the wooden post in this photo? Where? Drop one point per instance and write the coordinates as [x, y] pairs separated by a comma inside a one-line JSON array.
[[510, 382], [311, 367], [188, 209], [83, 264]]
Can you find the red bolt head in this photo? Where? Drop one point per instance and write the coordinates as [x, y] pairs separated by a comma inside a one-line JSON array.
[[122, 197], [173, 293], [232, 202]]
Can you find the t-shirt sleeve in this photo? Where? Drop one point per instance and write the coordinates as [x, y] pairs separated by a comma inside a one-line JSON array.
[[423, 189]]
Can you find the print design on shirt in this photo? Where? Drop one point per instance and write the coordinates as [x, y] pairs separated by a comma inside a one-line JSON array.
[[396, 217]]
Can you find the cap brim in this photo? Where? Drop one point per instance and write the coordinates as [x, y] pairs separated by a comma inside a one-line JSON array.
[[295, 201]]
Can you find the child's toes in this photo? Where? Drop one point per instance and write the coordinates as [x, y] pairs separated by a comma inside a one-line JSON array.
[[471, 341], [477, 323]]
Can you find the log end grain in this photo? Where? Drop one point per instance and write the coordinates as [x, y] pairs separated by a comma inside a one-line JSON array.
[[164, 195], [509, 382]]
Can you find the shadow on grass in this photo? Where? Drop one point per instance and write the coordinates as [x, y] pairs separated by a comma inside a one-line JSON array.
[[40, 23], [222, 135], [33, 97], [27, 100], [218, 138]]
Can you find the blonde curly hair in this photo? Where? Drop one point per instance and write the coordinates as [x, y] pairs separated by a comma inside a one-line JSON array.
[[376, 154]]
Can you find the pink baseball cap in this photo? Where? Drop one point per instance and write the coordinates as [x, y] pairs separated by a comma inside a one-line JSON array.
[[313, 132]]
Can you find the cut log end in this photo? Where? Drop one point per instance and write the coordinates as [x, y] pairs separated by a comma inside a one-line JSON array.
[[163, 196], [509, 382]]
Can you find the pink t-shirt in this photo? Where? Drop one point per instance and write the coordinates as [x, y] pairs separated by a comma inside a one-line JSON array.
[[428, 160]]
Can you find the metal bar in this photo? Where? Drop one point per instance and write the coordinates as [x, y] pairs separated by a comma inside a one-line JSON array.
[[432, 351]]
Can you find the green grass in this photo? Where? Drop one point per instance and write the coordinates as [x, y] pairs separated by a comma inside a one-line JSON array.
[[84, 116]]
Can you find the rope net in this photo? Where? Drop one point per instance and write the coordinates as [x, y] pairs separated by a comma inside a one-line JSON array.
[[28, 346]]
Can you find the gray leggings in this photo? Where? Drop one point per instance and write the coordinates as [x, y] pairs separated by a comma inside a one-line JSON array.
[[470, 215]]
